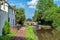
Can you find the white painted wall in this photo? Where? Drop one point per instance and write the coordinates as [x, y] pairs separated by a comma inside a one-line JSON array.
[[11, 16], [3, 18]]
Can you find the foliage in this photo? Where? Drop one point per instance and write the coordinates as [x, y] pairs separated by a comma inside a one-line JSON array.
[[8, 37], [6, 28], [30, 34], [29, 19], [20, 16], [53, 14], [37, 16], [47, 11], [42, 5], [0, 0]]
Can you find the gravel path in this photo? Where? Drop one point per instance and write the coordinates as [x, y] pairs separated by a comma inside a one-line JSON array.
[[20, 35]]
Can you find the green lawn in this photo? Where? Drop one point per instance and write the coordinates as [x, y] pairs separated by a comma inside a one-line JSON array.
[[8, 37], [30, 34]]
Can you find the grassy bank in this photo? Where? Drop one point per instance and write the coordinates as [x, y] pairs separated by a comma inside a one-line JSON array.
[[54, 35], [30, 34]]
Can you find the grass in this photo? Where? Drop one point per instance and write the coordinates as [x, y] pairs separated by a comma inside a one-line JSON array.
[[8, 36], [30, 34]]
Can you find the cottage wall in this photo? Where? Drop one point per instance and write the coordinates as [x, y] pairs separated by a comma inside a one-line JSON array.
[[3, 18], [6, 13], [11, 17]]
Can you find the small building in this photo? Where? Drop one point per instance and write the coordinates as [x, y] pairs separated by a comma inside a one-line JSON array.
[[7, 13], [30, 23]]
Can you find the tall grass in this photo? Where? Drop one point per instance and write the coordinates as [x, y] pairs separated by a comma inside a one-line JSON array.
[[30, 34]]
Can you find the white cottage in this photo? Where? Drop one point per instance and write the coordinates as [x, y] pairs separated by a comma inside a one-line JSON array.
[[7, 13], [11, 18]]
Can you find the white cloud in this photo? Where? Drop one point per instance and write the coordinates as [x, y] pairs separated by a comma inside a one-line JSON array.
[[12, 4], [17, 4], [56, 0], [32, 14], [32, 4], [21, 5]]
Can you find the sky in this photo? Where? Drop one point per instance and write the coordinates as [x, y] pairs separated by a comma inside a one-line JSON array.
[[28, 5]]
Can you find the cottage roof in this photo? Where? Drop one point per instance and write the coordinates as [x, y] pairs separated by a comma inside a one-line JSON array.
[[9, 5]]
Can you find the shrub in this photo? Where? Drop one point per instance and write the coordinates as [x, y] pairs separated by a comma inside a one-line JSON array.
[[6, 28], [0, 38]]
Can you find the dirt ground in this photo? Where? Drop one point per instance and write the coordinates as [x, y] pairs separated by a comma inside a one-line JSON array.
[[20, 35]]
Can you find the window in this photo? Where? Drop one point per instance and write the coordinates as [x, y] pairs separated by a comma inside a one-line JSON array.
[[8, 19], [13, 11], [13, 21]]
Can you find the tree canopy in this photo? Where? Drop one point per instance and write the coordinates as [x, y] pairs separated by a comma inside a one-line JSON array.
[[43, 5], [29, 19], [47, 11], [20, 16]]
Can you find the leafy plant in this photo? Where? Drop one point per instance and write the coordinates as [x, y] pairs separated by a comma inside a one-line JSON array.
[[6, 28]]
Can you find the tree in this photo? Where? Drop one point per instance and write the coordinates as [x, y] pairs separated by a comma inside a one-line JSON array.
[[53, 14], [37, 16], [20, 16], [42, 5], [48, 12], [29, 19]]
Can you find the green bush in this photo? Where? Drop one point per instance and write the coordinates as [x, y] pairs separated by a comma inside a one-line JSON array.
[[6, 28], [0, 38]]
